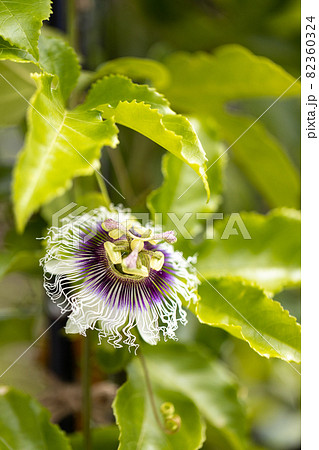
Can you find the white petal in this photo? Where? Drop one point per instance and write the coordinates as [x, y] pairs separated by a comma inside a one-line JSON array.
[[147, 326], [87, 309], [59, 267], [73, 327]]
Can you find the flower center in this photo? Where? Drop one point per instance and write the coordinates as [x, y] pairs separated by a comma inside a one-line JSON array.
[[128, 254]]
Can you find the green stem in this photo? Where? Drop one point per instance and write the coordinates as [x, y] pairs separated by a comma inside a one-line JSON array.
[[103, 190], [86, 390], [151, 395], [71, 23], [122, 175]]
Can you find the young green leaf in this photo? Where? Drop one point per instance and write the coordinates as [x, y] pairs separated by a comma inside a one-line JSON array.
[[245, 311], [60, 145], [14, 53], [139, 69], [135, 417], [258, 248], [113, 90], [213, 389], [144, 110], [178, 193], [20, 22], [210, 85], [58, 58], [24, 423]]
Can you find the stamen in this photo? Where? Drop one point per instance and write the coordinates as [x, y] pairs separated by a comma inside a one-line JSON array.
[[113, 253], [116, 233], [121, 245], [157, 260]]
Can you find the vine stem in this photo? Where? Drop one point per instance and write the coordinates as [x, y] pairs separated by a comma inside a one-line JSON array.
[[71, 23], [86, 390], [103, 190], [151, 394], [122, 174]]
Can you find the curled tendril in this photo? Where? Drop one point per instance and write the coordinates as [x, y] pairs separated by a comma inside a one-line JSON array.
[[172, 421]]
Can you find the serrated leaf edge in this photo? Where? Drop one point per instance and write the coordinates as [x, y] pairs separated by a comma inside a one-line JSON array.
[[239, 327], [35, 53]]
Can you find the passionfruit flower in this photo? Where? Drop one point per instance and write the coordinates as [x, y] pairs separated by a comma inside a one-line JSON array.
[[109, 273]]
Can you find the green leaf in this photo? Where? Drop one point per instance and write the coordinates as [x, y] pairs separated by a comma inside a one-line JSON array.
[[8, 51], [21, 261], [264, 168], [220, 79], [244, 310], [144, 110], [180, 192], [58, 58], [213, 389], [20, 22], [270, 258], [210, 85], [25, 424], [138, 69], [112, 91], [55, 57], [60, 145], [135, 418], [110, 359], [11, 102], [103, 438]]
